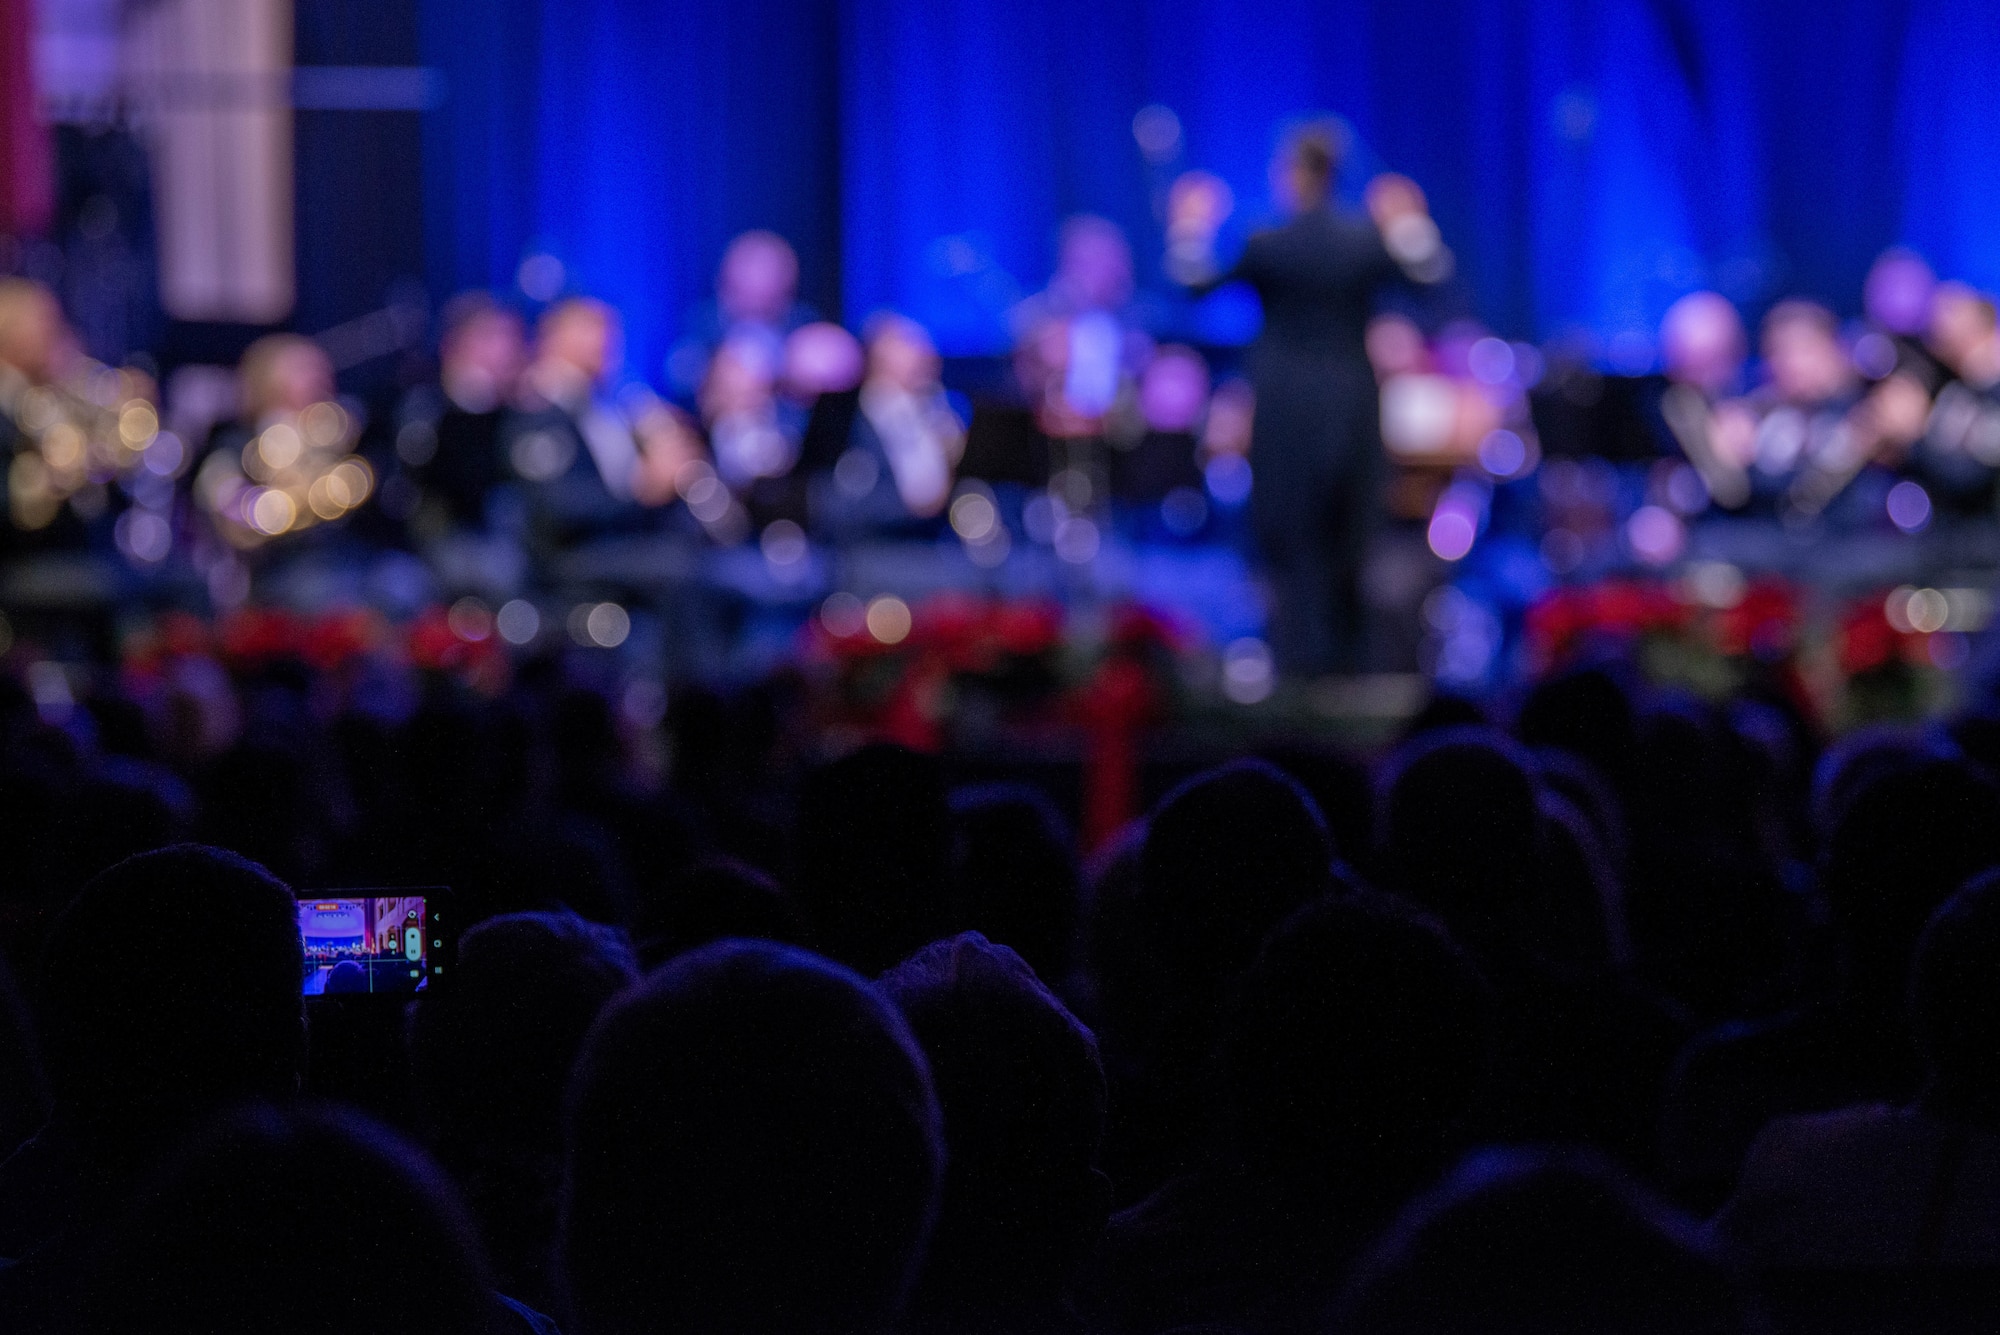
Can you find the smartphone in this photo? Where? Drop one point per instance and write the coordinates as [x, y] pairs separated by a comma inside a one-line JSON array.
[[372, 942]]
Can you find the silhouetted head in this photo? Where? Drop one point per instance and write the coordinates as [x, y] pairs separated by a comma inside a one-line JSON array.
[[874, 855], [1854, 761], [491, 1053], [1953, 1006], [1588, 711], [313, 1222], [1223, 859], [491, 1056], [753, 1147], [1016, 873], [1541, 1243], [1908, 837], [1459, 824], [1356, 1050], [1227, 855], [1022, 1090], [171, 985], [711, 901], [1302, 172]]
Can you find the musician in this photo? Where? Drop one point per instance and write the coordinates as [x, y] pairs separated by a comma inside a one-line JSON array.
[[756, 302], [286, 463], [1819, 426], [590, 465], [1316, 445], [73, 433], [1959, 449], [1703, 347], [1079, 347], [33, 342], [1897, 297], [448, 433], [903, 441]]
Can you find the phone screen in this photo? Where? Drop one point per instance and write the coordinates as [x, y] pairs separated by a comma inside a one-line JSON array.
[[364, 943]]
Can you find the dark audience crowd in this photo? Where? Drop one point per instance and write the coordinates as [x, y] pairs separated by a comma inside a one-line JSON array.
[[1603, 1009]]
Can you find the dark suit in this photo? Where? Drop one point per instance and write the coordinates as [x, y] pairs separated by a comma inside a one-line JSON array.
[[1316, 445]]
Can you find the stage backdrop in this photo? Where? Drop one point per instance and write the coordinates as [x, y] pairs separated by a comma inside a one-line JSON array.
[[1590, 160]]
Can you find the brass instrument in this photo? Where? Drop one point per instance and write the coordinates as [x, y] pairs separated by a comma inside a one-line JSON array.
[[77, 436], [297, 471]]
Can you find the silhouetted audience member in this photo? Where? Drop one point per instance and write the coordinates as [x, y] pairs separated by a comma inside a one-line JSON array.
[[874, 856], [1713, 924], [1886, 1186], [1022, 1091], [1225, 857], [314, 1222], [170, 988], [1581, 1055], [1541, 1243], [491, 1053], [1587, 711], [713, 900], [1458, 834], [1347, 1076], [754, 1147], [1909, 834], [1014, 868]]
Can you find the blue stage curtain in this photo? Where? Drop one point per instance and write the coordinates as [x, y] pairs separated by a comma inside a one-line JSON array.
[[1590, 160], [631, 140], [1949, 134]]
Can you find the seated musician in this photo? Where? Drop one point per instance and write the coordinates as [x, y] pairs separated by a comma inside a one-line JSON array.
[[903, 444], [590, 465], [73, 434], [448, 432], [1959, 450]]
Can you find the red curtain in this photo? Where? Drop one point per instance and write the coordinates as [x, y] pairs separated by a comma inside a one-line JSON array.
[[27, 155]]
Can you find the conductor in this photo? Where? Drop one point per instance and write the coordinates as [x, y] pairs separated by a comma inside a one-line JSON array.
[[1316, 446]]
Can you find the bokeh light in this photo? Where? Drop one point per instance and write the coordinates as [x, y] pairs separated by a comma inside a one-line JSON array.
[[784, 546], [1455, 520], [888, 619], [1909, 507], [470, 619], [1248, 675], [1491, 361], [1656, 535], [1503, 453], [607, 625], [843, 615], [1077, 540], [974, 516], [518, 622]]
